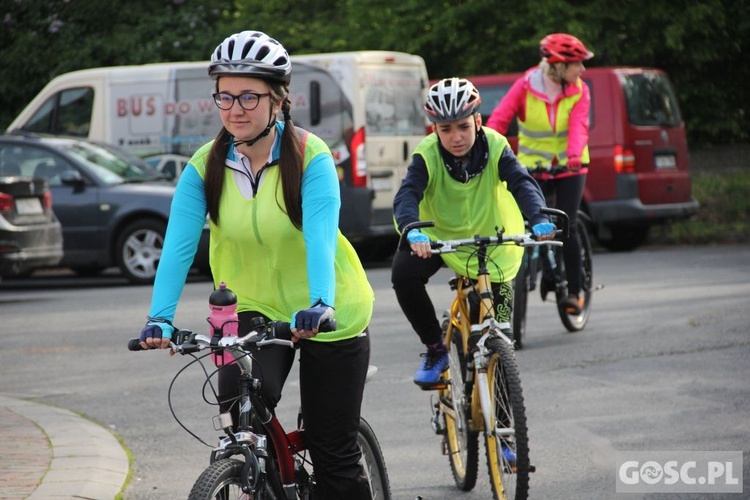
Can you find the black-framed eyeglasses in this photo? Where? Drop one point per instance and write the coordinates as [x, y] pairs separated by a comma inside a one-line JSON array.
[[248, 101]]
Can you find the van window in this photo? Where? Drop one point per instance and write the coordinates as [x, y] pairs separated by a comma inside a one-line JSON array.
[[491, 97], [67, 112], [392, 101], [651, 100]]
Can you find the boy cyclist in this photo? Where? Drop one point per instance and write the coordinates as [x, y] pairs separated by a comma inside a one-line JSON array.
[[468, 181]]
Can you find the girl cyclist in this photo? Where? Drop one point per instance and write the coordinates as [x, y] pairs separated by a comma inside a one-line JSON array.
[[552, 104], [271, 192]]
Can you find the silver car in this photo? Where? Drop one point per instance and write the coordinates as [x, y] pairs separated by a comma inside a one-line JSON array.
[[30, 234]]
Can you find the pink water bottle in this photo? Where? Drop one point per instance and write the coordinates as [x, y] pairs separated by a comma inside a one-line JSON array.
[[223, 319]]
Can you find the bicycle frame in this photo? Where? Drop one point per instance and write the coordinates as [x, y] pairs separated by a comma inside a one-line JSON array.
[[285, 445], [460, 318]]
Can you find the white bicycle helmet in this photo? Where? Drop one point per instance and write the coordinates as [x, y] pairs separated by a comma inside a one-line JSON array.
[[451, 99], [251, 53]]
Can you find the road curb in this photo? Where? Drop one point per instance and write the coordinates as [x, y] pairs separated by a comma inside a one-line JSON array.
[[87, 461]]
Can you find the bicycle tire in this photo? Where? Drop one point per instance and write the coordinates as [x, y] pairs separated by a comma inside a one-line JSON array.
[[461, 441], [521, 287], [373, 462], [222, 480], [509, 481], [577, 322]]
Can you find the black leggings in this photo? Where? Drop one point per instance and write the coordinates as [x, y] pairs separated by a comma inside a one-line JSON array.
[[332, 380], [565, 194], [409, 276]]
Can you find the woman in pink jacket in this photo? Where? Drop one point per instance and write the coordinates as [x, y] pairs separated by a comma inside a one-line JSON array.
[[552, 104]]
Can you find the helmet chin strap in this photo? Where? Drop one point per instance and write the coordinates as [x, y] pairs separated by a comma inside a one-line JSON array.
[[260, 136]]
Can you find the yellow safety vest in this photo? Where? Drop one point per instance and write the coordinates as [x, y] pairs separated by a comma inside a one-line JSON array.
[[477, 207], [537, 142], [260, 255]]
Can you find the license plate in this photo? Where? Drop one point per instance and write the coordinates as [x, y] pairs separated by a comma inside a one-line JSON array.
[[28, 206], [381, 184], [665, 161]]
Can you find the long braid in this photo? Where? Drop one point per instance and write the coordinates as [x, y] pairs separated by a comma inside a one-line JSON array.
[[290, 164], [214, 180]]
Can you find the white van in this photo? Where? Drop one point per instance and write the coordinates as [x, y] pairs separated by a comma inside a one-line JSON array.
[[366, 105]]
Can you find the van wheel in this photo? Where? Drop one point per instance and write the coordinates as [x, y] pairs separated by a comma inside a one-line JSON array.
[[139, 248], [624, 238]]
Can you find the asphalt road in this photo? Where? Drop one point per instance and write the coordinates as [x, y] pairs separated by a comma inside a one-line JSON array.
[[664, 364]]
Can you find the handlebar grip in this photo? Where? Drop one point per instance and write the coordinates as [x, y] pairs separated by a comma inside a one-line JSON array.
[[561, 215], [328, 325], [135, 345], [284, 330]]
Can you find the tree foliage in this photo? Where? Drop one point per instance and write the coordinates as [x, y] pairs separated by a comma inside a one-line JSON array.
[[700, 43]]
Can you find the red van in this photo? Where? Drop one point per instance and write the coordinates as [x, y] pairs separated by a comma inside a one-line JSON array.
[[639, 172]]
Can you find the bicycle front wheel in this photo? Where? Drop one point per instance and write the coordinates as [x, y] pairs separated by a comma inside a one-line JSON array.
[[222, 480], [577, 322], [461, 441], [373, 462], [508, 443]]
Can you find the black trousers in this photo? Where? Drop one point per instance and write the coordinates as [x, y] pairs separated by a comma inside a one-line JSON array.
[[565, 194], [410, 275], [332, 379]]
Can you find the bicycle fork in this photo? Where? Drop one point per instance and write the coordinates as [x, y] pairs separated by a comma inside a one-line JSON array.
[[481, 357]]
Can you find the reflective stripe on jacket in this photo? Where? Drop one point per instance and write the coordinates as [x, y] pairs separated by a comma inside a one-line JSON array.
[[537, 141]]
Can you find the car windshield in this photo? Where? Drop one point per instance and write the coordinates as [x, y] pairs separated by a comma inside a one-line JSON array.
[[111, 165]]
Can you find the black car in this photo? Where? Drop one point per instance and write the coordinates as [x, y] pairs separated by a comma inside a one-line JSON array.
[[113, 207], [30, 234]]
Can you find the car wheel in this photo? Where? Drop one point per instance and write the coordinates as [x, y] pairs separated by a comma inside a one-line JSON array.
[[139, 248]]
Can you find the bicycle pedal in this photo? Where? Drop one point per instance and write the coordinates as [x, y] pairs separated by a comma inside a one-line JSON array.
[[439, 385], [532, 468]]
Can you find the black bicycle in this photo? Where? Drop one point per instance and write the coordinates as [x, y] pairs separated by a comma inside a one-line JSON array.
[[258, 459], [548, 261]]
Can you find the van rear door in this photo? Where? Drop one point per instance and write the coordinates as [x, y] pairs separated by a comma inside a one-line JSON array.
[[656, 134], [394, 125]]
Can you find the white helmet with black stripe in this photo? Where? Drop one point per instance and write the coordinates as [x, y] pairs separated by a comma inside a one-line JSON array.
[[251, 53], [451, 99]]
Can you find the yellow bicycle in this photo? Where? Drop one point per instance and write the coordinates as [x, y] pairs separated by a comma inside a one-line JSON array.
[[481, 389]]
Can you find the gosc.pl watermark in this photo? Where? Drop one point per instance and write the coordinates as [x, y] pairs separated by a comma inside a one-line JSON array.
[[679, 472]]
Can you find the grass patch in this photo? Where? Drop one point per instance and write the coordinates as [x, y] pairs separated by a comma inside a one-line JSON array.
[[724, 214]]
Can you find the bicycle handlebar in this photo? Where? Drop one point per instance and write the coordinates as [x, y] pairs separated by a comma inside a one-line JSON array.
[[522, 240], [271, 333]]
